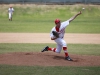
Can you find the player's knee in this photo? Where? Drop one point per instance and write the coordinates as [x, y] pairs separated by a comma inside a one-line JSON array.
[[57, 51], [64, 45]]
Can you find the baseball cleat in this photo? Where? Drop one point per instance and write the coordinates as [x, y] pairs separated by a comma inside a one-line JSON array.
[[68, 58], [45, 49]]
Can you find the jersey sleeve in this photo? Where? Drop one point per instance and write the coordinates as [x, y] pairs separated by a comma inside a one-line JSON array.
[[12, 9], [65, 23]]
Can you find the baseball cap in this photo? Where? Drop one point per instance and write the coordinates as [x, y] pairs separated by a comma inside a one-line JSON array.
[[57, 21]]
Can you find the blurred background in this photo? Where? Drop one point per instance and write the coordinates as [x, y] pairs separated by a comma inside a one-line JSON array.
[[52, 1]]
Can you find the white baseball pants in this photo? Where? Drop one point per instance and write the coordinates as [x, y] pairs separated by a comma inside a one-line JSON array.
[[60, 43], [10, 15]]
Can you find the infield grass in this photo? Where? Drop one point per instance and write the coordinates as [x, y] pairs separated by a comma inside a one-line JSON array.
[[83, 49], [56, 70]]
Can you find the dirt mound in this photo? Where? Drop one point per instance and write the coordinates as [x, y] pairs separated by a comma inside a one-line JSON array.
[[47, 59]]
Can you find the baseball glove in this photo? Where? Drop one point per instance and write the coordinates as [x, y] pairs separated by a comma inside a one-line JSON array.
[[56, 34]]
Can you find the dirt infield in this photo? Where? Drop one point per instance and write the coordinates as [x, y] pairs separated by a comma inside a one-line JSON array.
[[45, 38], [47, 58]]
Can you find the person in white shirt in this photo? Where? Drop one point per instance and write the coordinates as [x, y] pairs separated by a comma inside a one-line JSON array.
[[10, 12], [61, 43]]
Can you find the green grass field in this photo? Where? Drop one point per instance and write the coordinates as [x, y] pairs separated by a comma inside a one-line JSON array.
[[40, 19], [34, 18], [80, 49], [56, 70]]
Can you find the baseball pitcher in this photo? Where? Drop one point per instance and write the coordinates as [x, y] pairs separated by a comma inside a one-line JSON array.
[[57, 34]]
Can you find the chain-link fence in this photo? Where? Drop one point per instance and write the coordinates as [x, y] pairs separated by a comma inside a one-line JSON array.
[[52, 1]]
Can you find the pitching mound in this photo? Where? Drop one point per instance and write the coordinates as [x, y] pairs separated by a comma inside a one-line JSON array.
[[47, 59]]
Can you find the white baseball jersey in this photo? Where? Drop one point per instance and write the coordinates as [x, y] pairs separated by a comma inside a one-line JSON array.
[[61, 29], [10, 10]]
